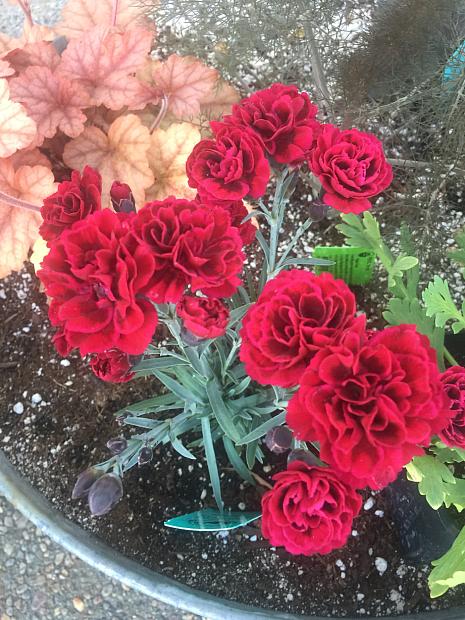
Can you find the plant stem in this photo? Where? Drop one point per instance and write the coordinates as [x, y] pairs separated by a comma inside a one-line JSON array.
[[114, 12], [450, 358], [161, 114], [26, 9], [17, 202]]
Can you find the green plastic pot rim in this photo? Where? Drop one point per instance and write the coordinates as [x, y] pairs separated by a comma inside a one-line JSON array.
[[20, 493]]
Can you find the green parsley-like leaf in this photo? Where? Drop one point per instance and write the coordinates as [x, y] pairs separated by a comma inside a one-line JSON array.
[[401, 311], [431, 476], [440, 305], [449, 570]]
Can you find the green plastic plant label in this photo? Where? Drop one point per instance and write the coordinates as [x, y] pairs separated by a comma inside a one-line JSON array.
[[211, 520], [353, 265]]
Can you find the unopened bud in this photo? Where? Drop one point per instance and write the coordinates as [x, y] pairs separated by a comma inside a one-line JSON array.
[[317, 210], [122, 199], [116, 445], [145, 455], [303, 455], [279, 439], [104, 494], [84, 481], [190, 339]]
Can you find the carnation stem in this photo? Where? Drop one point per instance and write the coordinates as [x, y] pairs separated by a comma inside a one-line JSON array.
[[17, 202], [450, 358], [114, 12]]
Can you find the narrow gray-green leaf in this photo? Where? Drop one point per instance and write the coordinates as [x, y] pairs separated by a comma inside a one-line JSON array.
[[211, 462]]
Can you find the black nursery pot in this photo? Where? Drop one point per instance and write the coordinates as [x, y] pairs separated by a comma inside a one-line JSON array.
[[456, 345], [425, 534], [102, 557]]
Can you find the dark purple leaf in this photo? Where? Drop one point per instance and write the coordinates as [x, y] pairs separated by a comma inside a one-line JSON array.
[[145, 455]]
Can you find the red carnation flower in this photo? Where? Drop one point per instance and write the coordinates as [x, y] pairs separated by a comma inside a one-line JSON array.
[[351, 167], [112, 366], [204, 317], [309, 510], [237, 211], [97, 275], [453, 380], [296, 315], [282, 118], [229, 167], [159, 225], [195, 245], [371, 403], [72, 201]]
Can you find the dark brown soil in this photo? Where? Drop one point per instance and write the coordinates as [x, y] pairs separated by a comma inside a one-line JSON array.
[[68, 417]]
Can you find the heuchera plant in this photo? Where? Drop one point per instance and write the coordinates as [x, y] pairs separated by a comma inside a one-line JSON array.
[[287, 350], [91, 91]]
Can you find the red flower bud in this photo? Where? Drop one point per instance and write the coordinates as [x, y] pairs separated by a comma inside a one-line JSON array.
[[122, 199]]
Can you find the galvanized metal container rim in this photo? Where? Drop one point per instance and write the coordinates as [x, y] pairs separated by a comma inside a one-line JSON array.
[[97, 554]]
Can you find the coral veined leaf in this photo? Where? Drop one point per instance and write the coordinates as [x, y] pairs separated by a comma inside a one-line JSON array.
[[31, 157], [5, 69], [19, 228], [120, 155], [52, 101], [167, 157], [79, 16], [17, 130], [186, 81], [31, 34], [42, 53], [220, 100], [103, 62]]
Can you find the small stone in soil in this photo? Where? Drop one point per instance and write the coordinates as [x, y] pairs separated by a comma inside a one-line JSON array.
[[18, 408], [36, 399], [369, 504], [381, 565]]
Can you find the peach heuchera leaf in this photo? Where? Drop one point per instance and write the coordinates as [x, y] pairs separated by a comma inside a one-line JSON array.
[[79, 16], [185, 80], [52, 101], [120, 155], [17, 130], [220, 100], [167, 156], [19, 228], [103, 62], [29, 157], [42, 53], [5, 69]]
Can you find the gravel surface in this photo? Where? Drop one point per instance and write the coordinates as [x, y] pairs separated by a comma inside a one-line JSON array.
[[38, 580]]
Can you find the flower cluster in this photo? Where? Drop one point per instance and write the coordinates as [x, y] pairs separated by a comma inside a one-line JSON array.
[[279, 124], [371, 400], [106, 269]]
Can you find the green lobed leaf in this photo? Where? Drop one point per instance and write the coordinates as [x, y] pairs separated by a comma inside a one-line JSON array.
[[432, 477], [440, 305], [401, 311], [449, 570]]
